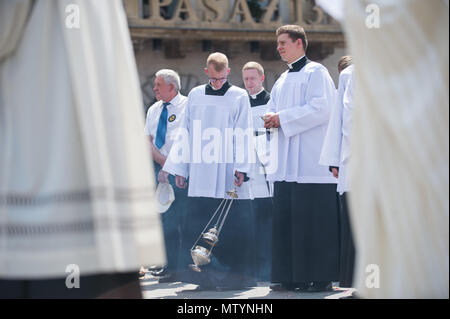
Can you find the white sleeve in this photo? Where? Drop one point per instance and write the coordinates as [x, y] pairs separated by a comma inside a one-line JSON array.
[[241, 149], [320, 95], [347, 107], [270, 106], [148, 121], [331, 149]]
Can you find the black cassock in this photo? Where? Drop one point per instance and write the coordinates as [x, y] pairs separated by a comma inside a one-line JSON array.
[[262, 210], [347, 247], [305, 240]]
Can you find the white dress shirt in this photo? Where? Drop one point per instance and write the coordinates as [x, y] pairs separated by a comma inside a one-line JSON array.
[[175, 114]]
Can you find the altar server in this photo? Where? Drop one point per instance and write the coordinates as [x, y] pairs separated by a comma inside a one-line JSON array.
[[253, 77], [217, 117], [305, 224], [335, 155]]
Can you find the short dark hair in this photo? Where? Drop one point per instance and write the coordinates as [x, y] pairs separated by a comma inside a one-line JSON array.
[[344, 62], [295, 32]]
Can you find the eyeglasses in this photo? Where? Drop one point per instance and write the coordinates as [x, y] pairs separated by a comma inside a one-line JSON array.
[[214, 80]]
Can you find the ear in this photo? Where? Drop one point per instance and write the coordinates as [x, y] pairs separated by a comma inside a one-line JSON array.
[[206, 71], [228, 71], [262, 78]]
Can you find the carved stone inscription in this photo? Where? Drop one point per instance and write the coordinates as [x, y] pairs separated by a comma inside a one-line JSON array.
[[227, 14]]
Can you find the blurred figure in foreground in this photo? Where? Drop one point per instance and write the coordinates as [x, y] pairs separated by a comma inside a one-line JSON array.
[[253, 77], [400, 146], [76, 189]]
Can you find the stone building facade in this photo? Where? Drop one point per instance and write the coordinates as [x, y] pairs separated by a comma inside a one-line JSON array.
[[180, 34]]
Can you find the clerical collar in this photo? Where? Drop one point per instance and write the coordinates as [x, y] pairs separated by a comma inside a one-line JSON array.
[[254, 96], [298, 64], [209, 90], [262, 98]]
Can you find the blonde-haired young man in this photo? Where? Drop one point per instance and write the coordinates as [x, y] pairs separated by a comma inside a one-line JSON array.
[[253, 77]]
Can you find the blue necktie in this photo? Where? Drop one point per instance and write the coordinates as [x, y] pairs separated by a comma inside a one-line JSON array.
[[162, 127]]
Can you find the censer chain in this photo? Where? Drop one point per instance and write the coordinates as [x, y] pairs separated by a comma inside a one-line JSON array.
[[212, 218], [225, 217]]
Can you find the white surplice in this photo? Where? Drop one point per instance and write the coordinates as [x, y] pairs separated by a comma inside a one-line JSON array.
[[336, 146], [303, 100], [211, 151]]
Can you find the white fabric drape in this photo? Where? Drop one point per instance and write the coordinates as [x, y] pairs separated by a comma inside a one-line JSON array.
[[400, 153], [76, 185]]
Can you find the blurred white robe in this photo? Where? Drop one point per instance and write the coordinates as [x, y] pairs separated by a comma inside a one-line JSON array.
[[75, 178], [399, 169]]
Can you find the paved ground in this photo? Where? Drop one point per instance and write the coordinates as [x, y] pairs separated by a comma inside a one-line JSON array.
[[151, 289]]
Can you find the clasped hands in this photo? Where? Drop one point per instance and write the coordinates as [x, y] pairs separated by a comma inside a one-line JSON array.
[[180, 181], [271, 120]]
